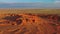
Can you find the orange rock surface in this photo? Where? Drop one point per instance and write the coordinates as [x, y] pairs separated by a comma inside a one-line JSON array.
[[29, 24]]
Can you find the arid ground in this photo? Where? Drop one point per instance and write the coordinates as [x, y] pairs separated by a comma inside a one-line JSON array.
[[29, 21]]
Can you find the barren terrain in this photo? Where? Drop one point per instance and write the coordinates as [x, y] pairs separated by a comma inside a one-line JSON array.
[[29, 21]]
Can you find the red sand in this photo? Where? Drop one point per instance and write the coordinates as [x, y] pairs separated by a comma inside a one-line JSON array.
[[29, 24]]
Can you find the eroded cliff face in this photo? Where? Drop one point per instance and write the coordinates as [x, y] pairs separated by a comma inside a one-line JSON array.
[[29, 24]]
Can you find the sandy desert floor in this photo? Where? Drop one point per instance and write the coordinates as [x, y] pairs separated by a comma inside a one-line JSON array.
[[29, 21]]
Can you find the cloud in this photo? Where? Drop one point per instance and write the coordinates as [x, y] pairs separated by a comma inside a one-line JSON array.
[[57, 1]]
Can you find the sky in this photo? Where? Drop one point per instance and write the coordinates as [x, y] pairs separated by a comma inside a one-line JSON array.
[[29, 1], [26, 3]]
